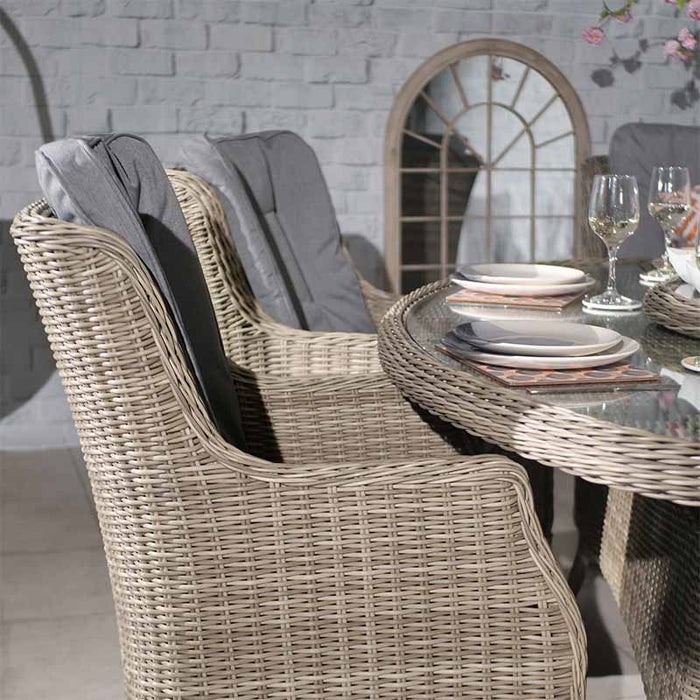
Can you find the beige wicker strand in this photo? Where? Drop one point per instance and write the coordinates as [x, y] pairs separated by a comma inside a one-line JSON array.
[[269, 355], [250, 336], [672, 311], [217, 591], [601, 452], [651, 555]]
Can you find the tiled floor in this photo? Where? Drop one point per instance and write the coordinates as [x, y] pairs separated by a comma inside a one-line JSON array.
[[58, 639]]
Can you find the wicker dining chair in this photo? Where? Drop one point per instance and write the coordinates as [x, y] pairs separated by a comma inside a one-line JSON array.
[[255, 341], [250, 335], [376, 576]]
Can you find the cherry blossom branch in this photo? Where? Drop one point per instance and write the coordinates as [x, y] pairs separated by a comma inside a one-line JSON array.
[[681, 49]]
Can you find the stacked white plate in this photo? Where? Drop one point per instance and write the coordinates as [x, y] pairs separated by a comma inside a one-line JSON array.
[[523, 279], [538, 344]]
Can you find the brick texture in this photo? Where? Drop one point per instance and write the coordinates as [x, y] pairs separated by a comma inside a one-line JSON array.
[[329, 69]]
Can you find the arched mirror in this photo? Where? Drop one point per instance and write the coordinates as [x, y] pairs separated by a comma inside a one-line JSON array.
[[484, 148]]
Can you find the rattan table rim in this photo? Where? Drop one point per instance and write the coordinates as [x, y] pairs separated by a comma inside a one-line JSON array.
[[632, 459]]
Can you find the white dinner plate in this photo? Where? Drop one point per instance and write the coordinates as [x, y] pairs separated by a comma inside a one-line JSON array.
[[521, 273], [474, 312], [461, 350], [525, 290], [537, 338]]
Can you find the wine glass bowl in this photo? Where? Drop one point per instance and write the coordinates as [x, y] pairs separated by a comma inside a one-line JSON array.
[[613, 215], [669, 205]]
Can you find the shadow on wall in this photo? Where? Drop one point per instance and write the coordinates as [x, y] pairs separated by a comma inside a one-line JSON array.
[[683, 98], [25, 359]]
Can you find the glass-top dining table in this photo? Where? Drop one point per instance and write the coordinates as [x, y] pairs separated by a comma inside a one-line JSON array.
[[641, 440], [641, 437]]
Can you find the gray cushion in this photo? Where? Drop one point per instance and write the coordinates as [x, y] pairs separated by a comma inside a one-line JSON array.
[[634, 150], [283, 224], [116, 182]]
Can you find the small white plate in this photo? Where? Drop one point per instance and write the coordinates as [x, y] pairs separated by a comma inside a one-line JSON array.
[[624, 349], [537, 338], [521, 273], [525, 290], [690, 364]]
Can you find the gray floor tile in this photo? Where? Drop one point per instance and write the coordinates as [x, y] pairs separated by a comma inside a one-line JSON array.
[[49, 476], [73, 658], [615, 688], [57, 584], [48, 526]]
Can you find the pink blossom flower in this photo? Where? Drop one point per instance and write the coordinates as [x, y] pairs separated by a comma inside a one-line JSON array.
[[594, 35], [693, 9], [624, 18], [673, 50], [671, 2], [687, 39]]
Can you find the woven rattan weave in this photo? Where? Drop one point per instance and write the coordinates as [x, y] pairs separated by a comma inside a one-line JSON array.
[[249, 335], [650, 556], [383, 577], [673, 311], [253, 340], [603, 452]]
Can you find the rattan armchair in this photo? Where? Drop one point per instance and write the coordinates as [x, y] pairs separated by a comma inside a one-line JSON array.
[[365, 576], [250, 336], [269, 350]]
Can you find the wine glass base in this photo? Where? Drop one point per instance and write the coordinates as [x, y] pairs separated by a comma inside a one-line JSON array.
[[611, 301], [662, 274], [691, 363]]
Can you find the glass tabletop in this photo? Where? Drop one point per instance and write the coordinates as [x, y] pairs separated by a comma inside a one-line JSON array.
[[669, 407]]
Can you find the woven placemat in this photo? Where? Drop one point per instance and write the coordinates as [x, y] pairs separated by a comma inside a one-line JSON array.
[[466, 296], [619, 373]]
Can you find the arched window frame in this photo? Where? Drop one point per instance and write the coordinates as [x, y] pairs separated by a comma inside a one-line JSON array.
[[411, 91]]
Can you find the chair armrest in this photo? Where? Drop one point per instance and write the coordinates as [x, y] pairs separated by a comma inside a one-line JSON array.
[[277, 350], [407, 553], [341, 417]]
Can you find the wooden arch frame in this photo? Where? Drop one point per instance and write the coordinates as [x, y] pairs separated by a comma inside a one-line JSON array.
[[411, 91]]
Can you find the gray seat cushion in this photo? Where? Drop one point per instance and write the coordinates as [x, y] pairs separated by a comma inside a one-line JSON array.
[[116, 182], [634, 150], [283, 224]]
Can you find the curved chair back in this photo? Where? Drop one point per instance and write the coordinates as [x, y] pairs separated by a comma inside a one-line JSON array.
[[282, 220], [250, 336], [236, 577], [116, 182]]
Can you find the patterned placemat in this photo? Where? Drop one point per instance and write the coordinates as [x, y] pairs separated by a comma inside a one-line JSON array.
[[622, 372], [466, 296]]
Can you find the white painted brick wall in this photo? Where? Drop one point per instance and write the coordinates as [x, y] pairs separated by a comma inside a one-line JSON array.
[[328, 69]]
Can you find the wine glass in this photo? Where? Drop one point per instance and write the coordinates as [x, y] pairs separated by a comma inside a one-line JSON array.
[[613, 215], [693, 363], [669, 204]]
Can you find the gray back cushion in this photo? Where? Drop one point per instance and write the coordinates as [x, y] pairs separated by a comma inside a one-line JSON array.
[[116, 182], [634, 150], [283, 224]]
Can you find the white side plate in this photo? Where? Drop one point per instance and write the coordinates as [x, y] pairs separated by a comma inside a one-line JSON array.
[[539, 338], [525, 290], [624, 349], [521, 273]]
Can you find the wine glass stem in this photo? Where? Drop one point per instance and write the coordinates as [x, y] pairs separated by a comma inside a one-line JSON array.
[[666, 264], [612, 263]]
